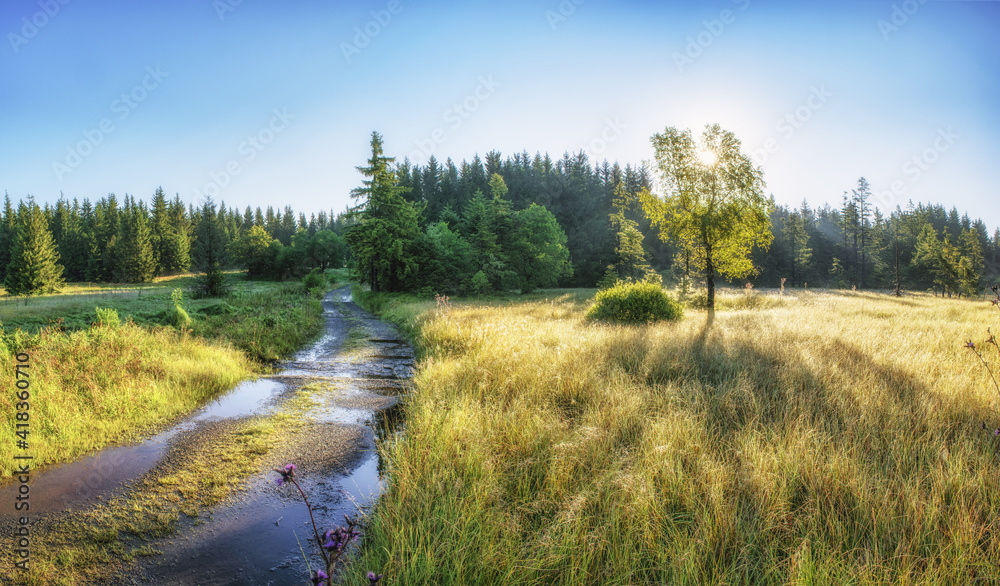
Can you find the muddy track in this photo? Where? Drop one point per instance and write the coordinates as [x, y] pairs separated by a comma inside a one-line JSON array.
[[342, 391]]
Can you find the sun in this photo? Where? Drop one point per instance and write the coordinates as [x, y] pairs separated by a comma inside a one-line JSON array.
[[707, 157]]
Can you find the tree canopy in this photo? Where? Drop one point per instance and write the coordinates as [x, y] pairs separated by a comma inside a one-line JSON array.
[[712, 202]]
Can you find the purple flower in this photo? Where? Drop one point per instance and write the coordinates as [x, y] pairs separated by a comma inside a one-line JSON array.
[[287, 473], [374, 578], [319, 577], [969, 344], [996, 433]]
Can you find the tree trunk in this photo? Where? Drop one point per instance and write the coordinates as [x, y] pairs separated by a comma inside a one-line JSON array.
[[710, 277]]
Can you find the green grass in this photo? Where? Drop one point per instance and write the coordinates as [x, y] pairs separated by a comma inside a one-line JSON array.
[[822, 438]]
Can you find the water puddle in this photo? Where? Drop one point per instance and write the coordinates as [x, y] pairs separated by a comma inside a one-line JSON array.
[[67, 487], [246, 398]]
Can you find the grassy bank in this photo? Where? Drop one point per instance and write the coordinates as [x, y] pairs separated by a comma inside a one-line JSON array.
[[103, 386], [826, 438], [95, 386]]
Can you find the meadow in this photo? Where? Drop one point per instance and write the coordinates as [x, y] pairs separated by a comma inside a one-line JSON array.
[[809, 438]]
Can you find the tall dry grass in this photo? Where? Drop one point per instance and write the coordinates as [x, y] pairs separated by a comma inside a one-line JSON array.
[[826, 439]]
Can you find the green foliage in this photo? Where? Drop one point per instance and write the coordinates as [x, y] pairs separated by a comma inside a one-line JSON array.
[[316, 279], [107, 318], [257, 251], [480, 283], [797, 236], [386, 226], [210, 253], [136, 261], [267, 321], [953, 269], [714, 209], [635, 303], [630, 258], [538, 254], [34, 266], [178, 317], [327, 249]]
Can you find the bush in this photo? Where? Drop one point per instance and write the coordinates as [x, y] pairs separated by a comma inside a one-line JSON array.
[[107, 318], [316, 279], [635, 303], [177, 317]]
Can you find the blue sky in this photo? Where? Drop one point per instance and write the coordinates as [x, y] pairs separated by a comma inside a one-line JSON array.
[[264, 103]]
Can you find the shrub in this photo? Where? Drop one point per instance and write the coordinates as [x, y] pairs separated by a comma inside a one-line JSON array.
[[635, 303], [177, 317], [107, 318], [316, 279]]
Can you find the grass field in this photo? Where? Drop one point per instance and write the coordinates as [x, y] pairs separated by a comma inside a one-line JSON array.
[[811, 438]]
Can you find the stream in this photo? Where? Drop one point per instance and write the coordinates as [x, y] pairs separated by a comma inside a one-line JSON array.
[[260, 535]]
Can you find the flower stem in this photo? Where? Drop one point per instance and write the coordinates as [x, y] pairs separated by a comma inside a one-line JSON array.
[[313, 519]]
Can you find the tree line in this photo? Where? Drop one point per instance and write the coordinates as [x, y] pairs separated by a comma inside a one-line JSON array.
[[473, 245], [128, 241], [505, 224], [918, 248]]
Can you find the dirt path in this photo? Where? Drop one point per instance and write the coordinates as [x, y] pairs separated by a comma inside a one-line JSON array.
[[338, 395]]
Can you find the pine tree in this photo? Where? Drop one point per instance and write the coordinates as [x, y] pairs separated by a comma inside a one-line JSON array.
[[136, 258], [34, 266], [861, 196], [210, 251], [972, 262], [8, 229], [630, 262], [160, 230], [798, 238], [385, 227]]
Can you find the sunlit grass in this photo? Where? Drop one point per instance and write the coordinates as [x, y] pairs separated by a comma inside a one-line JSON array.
[[90, 389], [813, 438]]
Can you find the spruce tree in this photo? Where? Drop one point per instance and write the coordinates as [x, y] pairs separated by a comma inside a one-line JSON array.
[[385, 227], [34, 266], [8, 229], [136, 257], [210, 251]]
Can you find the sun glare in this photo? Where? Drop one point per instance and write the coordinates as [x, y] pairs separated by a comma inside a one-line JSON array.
[[707, 157]]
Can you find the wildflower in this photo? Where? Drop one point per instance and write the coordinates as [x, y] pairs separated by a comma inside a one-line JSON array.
[[319, 577], [286, 474], [374, 578], [996, 433], [969, 344]]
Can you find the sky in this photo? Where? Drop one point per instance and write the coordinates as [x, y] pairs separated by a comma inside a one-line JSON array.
[[266, 103]]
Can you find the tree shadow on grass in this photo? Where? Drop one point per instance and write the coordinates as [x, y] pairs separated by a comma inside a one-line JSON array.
[[877, 437]]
